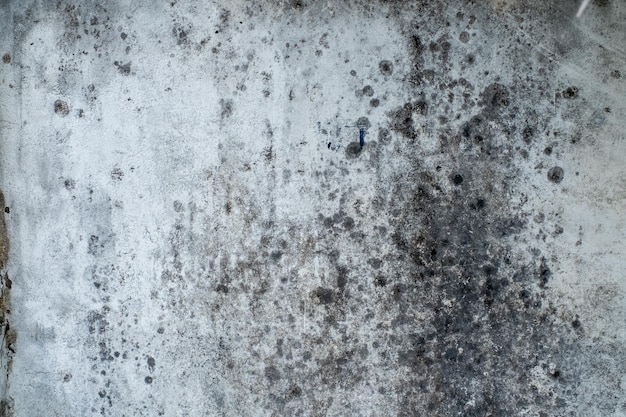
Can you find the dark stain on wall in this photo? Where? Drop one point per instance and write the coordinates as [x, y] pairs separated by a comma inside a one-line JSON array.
[[9, 335], [430, 292]]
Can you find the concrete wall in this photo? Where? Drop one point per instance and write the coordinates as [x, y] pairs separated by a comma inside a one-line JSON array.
[[313, 208]]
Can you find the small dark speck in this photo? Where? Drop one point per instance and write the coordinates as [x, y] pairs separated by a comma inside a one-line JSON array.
[[374, 102], [616, 74], [160, 330], [548, 150], [7, 210], [380, 282], [353, 73], [576, 324], [117, 174], [527, 134], [123, 36], [457, 179], [384, 136], [6, 58], [368, 90], [295, 392], [570, 92], [148, 380], [328, 146], [324, 296]]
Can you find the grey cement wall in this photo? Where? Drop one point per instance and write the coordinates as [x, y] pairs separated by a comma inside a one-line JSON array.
[[313, 208]]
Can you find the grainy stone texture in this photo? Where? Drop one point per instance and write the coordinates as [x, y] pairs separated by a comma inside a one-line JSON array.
[[313, 208]]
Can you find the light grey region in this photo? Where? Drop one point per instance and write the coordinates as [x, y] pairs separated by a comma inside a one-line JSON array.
[[313, 208]]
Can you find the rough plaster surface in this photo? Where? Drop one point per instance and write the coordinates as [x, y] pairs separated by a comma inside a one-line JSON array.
[[313, 208]]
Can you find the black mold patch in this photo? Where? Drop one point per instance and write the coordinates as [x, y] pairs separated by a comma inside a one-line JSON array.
[[570, 93], [438, 296], [151, 363], [459, 266], [495, 97], [384, 136], [353, 150], [324, 296], [181, 34], [457, 256], [226, 108], [556, 174], [385, 67], [272, 374], [403, 119], [124, 69], [61, 108], [97, 323], [416, 48], [363, 122]]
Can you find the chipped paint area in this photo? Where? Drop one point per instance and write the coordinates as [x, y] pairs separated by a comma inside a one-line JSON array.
[[313, 208]]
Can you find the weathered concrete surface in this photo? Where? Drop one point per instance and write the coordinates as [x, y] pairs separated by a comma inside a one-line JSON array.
[[196, 230]]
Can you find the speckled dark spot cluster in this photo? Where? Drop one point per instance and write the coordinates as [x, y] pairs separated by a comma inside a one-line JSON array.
[[423, 285]]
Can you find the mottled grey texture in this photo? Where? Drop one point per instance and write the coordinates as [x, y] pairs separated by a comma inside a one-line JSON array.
[[313, 208]]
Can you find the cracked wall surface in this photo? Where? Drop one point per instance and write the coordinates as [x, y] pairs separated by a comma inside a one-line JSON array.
[[313, 208]]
